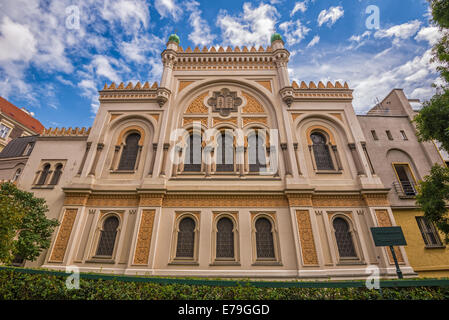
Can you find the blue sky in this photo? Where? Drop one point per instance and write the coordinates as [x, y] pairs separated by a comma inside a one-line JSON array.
[[53, 66]]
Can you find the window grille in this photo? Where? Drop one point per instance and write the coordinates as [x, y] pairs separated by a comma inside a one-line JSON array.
[[344, 239], [225, 238], [323, 159], [264, 239], [193, 154], [225, 153], [186, 238], [107, 237], [130, 151], [256, 152], [429, 233]]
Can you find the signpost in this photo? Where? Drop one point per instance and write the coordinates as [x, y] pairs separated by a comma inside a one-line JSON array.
[[389, 237]]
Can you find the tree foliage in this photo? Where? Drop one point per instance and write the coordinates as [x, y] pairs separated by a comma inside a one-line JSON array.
[[432, 197], [24, 228], [432, 123]]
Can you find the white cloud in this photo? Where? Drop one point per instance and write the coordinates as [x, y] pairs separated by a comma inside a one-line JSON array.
[[253, 27], [16, 41], [140, 47], [299, 6], [102, 67], [402, 31], [201, 34], [314, 41], [359, 38], [429, 34], [294, 32], [330, 16], [168, 8], [130, 13]]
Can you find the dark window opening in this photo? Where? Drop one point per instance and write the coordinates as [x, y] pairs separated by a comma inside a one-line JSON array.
[[323, 159], [193, 154], [264, 239], [186, 238], [130, 151], [225, 153], [107, 237], [344, 239], [225, 238]]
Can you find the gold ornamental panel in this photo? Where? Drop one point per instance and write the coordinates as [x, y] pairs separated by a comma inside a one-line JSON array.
[[308, 249], [143, 245], [62, 239]]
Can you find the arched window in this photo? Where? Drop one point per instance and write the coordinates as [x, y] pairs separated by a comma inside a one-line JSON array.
[[17, 174], [264, 239], [193, 154], [344, 239], [323, 159], [107, 237], [56, 174], [129, 153], [186, 238], [225, 238], [256, 152], [225, 152], [44, 174]]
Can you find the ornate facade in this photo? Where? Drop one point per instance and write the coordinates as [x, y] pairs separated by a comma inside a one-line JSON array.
[[224, 169]]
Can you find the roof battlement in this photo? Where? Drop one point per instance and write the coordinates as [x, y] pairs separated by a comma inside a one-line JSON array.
[[229, 49], [66, 132]]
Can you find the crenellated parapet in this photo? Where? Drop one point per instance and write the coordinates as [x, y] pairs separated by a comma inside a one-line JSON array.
[[137, 92], [66, 132], [321, 91]]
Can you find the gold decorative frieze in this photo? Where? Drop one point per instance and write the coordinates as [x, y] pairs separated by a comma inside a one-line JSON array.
[[338, 201], [75, 199], [186, 121], [113, 200], [300, 199], [197, 105], [199, 200], [383, 220], [150, 200], [143, 244], [232, 120], [252, 105], [62, 239], [307, 242], [376, 200], [255, 120], [183, 84]]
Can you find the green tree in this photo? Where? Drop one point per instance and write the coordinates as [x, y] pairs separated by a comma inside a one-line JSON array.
[[24, 228], [432, 123]]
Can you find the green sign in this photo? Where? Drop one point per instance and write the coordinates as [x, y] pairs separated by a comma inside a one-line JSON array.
[[388, 236]]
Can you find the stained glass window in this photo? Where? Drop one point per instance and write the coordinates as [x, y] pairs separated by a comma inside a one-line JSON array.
[[186, 238], [225, 238], [129, 153], [323, 159], [344, 238], [107, 237], [192, 162], [264, 239]]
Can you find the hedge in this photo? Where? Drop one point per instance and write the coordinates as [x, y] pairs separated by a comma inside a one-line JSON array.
[[16, 285]]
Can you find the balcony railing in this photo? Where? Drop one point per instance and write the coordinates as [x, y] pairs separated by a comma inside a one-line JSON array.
[[405, 189]]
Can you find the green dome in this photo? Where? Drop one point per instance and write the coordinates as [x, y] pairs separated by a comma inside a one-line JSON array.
[[173, 37], [276, 36]]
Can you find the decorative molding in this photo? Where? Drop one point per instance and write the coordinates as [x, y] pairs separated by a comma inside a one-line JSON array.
[[183, 84], [143, 244], [338, 201], [186, 121], [214, 201], [224, 102], [114, 116], [338, 116], [300, 199], [252, 105], [112, 200], [295, 115], [232, 120], [266, 84], [63, 236], [383, 220], [92, 211], [308, 249], [376, 199], [257, 120], [76, 199], [197, 105], [150, 200], [66, 132], [155, 116]]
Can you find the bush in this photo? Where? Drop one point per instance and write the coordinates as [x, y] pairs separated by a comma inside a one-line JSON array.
[[16, 285]]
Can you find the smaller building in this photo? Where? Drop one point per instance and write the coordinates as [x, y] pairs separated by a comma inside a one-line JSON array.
[[400, 160], [16, 122], [14, 157]]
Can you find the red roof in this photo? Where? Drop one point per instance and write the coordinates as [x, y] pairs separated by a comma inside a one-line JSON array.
[[20, 116]]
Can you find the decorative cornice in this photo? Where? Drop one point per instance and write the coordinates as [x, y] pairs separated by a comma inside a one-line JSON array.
[[66, 132]]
